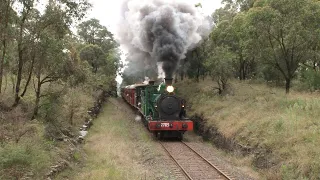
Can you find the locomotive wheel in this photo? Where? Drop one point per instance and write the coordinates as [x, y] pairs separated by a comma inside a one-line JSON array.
[[180, 137], [158, 135]]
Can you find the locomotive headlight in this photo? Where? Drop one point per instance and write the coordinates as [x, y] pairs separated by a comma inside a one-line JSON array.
[[170, 89]]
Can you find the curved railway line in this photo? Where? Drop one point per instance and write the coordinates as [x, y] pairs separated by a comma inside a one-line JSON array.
[[192, 164]]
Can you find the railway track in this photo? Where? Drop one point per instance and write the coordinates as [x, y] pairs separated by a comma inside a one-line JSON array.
[[192, 164]]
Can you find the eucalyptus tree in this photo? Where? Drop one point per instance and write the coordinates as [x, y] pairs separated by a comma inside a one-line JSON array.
[[31, 24], [92, 32], [231, 31], [94, 55], [219, 63], [6, 20], [52, 63], [195, 62], [285, 31], [27, 6], [242, 5]]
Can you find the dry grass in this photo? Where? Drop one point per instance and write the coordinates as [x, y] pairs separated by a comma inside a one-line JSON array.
[[32, 155], [24, 147], [261, 116], [113, 147]]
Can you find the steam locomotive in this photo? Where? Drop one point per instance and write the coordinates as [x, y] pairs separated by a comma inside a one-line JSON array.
[[163, 112]]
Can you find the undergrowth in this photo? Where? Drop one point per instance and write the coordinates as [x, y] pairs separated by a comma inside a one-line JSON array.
[[29, 147], [32, 155]]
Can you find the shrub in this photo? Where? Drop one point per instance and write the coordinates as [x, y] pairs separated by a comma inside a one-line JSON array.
[[18, 159], [311, 79], [12, 155]]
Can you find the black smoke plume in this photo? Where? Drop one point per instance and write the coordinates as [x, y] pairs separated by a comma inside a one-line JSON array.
[[164, 30]]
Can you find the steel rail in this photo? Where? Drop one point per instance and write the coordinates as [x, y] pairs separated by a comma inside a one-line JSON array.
[[183, 170], [212, 165]]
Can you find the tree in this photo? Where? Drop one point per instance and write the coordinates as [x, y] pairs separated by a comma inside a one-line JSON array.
[[94, 55], [231, 32], [27, 7], [243, 5], [219, 63], [92, 32], [6, 14], [51, 62], [31, 25], [285, 31]]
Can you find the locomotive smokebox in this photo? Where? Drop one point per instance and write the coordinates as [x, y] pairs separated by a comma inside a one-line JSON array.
[[168, 81]]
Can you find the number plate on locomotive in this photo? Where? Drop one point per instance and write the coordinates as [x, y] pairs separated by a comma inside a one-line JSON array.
[[164, 124]]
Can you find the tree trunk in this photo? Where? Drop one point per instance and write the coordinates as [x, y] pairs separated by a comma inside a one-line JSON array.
[[240, 67], [6, 82], [243, 70], [2, 63], [13, 83], [17, 89], [240, 73], [20, 67], [20, 55], [29, 77], [4, 41], [36, 105], [288, 84], [198, 74], [38, 93], [181, 75]]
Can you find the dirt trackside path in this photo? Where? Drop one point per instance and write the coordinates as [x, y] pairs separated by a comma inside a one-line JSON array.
[[118, 147]]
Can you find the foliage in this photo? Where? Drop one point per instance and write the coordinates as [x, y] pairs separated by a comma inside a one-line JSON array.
[[284, 33], [94, 55], [46, 78], [92, 32], [220, 66], [311, 79], [269, 39]]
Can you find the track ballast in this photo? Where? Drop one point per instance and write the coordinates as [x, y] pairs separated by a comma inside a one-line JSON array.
[[192, 165]]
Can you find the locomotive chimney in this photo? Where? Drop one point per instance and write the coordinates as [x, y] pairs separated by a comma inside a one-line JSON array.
[[168, 81], [151, 82]]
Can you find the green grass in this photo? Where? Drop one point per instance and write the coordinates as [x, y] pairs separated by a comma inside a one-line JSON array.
[[261, 116], [114, 145]]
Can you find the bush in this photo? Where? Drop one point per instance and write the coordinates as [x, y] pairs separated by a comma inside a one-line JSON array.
[[18, 159], [11, 156], [271, 75], [311, 79]]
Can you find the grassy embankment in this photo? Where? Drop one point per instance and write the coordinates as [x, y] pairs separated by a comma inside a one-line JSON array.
[[28, 148], [117, 147], [287, 126]]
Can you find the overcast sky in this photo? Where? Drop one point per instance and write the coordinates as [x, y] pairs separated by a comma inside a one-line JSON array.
[[108, 11]]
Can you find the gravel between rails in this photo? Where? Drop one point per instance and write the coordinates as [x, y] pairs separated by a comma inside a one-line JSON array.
[[222, 164], [194, 165]]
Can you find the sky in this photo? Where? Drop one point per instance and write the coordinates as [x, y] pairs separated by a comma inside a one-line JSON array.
[[108, 11]]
